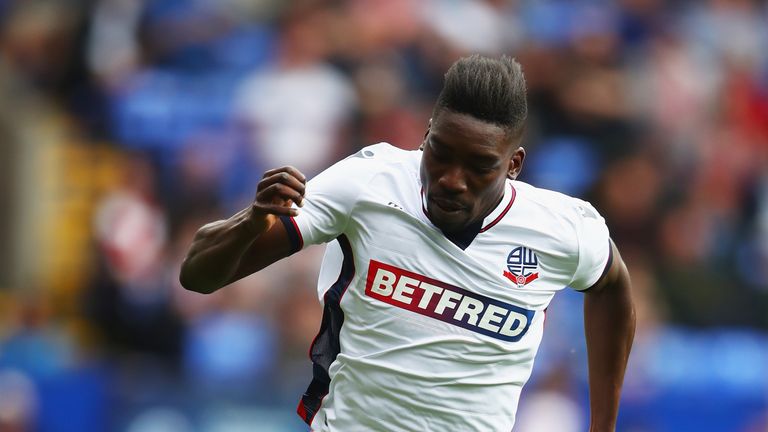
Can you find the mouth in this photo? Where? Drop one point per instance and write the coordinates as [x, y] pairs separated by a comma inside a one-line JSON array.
[[448, 206]]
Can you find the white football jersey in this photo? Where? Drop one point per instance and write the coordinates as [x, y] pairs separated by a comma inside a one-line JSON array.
[[425, 333]]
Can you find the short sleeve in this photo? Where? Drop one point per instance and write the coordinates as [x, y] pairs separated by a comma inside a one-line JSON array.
[[594, 247], [329, 200]]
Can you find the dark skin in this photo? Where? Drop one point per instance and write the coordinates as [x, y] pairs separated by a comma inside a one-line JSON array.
[[609, 325], [227, 250], [464, 168], [463, 171]]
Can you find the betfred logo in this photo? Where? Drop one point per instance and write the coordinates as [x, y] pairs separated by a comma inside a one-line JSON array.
[[447, 303]]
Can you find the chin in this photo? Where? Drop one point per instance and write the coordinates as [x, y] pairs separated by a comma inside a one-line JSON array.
[[448, 223]]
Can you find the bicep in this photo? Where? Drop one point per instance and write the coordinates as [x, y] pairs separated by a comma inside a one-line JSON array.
[[616, 273], [268, 248]]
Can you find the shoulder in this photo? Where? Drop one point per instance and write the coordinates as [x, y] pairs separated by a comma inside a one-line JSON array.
[[571, 220], [358, 170], [376, 159], [556, 204], [572, 227], [384, 152]]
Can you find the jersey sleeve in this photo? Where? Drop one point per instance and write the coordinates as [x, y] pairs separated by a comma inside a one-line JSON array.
[[594, 247], [329, 200]]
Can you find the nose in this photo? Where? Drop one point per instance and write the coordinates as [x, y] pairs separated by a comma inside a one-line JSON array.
[[453, 180]]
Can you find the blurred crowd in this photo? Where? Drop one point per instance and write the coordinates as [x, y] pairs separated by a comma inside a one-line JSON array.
[[127, 124]]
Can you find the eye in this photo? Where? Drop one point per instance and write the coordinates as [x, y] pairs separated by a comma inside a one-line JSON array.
[[437, 153], [483, 169], [484, 166]]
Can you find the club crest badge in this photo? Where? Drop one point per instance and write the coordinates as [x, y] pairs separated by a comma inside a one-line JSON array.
[[522, 266]]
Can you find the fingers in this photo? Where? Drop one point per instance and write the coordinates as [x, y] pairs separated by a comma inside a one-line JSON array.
[[278, 190], [288, 170], [283, 184], [275, 209], [280, 194]]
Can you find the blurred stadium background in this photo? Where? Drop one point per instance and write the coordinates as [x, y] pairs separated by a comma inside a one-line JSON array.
[[126, 124]]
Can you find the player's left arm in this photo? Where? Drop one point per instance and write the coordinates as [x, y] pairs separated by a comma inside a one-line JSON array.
[[609, 323]]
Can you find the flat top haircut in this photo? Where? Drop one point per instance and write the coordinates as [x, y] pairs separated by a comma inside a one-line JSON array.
[[488, 89]]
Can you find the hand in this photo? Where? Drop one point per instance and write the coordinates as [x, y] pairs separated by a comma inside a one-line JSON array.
[[277, 191]]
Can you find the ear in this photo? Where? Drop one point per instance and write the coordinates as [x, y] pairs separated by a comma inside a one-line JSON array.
[[516, 163], [426, 134]]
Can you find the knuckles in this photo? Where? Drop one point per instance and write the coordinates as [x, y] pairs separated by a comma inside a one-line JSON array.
[[286, 182]]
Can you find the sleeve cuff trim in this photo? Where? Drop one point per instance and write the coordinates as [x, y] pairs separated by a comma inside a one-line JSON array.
[[294, 234]]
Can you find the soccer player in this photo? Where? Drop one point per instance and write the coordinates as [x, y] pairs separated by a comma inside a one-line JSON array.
[[443, 265]]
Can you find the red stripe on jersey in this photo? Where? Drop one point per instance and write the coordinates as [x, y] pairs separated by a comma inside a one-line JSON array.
[[504, 212], [298, 232]]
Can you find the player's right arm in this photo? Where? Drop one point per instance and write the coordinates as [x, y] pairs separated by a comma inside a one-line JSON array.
[[227, 250]]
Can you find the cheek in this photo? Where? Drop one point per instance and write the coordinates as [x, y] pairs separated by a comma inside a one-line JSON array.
[[488, 191], [428, 175]]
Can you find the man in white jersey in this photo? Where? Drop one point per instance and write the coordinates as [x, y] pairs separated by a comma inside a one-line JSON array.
[[440, 270]]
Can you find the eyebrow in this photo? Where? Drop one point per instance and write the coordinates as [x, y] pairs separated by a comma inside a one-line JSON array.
[[487, 161], [481, 158], [435, 139]]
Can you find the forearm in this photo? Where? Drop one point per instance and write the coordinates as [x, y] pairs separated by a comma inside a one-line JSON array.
[[609, 320], [216, 251], [227, 250]]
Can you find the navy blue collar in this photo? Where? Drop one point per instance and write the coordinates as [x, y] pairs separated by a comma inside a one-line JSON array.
[[465, 237]]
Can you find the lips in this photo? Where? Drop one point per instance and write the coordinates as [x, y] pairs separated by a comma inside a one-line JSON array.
[[448, 205]]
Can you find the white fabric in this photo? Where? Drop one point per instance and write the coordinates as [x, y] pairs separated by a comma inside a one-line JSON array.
[[435, 337]]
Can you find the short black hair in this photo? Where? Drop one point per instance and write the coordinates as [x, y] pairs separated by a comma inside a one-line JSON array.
[[488, 89]]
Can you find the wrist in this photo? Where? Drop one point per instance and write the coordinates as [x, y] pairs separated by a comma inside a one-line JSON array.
[[254, 223]]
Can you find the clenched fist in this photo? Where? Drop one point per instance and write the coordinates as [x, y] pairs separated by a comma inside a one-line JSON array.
[[276, 193]]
